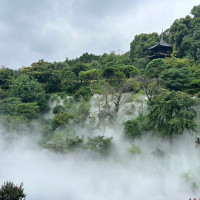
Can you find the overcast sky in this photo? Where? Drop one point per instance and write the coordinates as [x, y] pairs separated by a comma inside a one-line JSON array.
[[55, 29]]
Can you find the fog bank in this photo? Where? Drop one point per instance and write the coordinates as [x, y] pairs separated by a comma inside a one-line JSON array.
[[161, 172]]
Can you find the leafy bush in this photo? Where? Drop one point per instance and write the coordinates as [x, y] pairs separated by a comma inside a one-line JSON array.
[[99, 144], [177, 79], [64, 142], [10, 191], [28, 111], [84, 92], [8, 105], [132, 129], [81, 112], [135, 149], [58, 109], [60, 119]]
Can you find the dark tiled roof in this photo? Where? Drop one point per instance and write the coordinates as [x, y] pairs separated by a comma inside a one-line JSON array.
[[161, 43], [159, 55]]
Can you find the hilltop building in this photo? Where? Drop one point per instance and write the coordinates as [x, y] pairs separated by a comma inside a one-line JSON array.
[[161, 50]]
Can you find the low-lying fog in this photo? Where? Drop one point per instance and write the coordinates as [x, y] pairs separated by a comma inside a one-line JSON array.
[[161, 172]]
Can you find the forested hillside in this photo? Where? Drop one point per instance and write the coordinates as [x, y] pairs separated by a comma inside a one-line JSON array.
[[25, 92], [157, 97]]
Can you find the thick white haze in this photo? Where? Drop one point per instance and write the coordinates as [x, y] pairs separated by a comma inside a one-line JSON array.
[[88, 176]]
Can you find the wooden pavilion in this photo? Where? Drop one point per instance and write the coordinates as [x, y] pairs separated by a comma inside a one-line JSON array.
[[160, 50]]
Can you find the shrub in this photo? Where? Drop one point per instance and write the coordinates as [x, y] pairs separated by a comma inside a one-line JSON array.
[[99, 144], [83, 92], [60, 119], [132, 129], [135, 149], [58, 109], [64, 142], [10, 191], [28, 111]]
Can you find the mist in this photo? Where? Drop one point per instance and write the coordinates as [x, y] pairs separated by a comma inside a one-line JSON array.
[[162, 171]]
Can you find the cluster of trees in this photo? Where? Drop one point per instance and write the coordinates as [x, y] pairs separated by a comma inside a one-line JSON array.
[[167, 83]]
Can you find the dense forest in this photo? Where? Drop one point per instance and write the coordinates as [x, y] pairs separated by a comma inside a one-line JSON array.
[[158, 97]]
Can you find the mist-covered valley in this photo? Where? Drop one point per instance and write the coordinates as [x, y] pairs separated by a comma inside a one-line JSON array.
[[143, 168], [111, 126]]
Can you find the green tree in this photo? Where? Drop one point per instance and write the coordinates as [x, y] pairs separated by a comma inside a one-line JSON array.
[[8, 105], [184, 35], [29, 91], [155, 68], [58, 109], [177, 79], [132, 129], [28, 111], [63, 143], [78, 67], [171, 113], [140, 44], [6, 76], [83, 92], [54, 82], [10, 191], [150, 86], [60, 119], [108, 72], [93, 74], [88, 58], [99, 144], [40, 71], [129, 70], [69, 82]]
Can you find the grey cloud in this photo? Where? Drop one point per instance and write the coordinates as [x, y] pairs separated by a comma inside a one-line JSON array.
[[56, 29]]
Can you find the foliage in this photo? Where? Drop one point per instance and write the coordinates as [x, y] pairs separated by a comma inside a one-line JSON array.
[[177, 79], [150, 86], [155, 67], [13, 123], [140, 44], [60, 119], [88, 58], [135, 127], [80, 67], [179, 63], [109, 72], [184, 34], [28, 111], [54, 82], [83, 92], [6, 76], [10, 191], [99, 144], [129, 70], [30, 91], [89, 75], [64, 142], [81, 113], [194, 87], [132, 129], [134, 149], [3, 93], [8, 105], [171, 113], [58, 109]]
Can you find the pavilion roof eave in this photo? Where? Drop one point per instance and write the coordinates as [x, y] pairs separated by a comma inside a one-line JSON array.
[[163, 44], [159, 55]]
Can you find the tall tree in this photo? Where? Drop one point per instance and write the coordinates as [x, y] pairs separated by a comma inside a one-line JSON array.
[[29, 91], [171, 113], [140, 44]]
